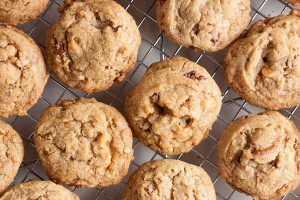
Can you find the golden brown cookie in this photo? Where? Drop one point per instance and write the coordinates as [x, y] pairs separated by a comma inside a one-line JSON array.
[[208, 25], [169, 179], [11, 154], [174, 106], [93, 45], [264, 66], [259, 155], [15, 12], [84, 143], [23, 72], [35, 189], [293, 2]]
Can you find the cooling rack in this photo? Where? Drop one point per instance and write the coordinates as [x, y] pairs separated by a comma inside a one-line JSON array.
[[154, 47]]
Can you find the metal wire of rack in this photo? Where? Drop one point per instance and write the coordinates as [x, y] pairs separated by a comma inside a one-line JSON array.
[[154, 48]]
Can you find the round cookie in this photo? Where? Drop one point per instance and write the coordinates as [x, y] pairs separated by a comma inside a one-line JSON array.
[[293, 2], [259, 155], [23, 72], [174, 106], [264, 66], [93, 45], [84, 143], [208, 25], [169, 179], [15, 12], [11, 154], [36, 189]]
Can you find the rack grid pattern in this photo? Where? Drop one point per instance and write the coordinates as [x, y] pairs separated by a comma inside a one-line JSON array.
[[154, 47]]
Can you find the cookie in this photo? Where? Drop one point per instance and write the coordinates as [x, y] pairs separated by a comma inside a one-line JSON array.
[[11, 154], [259, 155], [293, 2], [174, 106], [93, 45], [208, 25], [23, 72], [169, 179], [36, 189], [264, 66], [84, 143], [20, 11]]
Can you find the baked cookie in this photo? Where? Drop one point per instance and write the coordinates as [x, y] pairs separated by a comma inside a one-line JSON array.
[[11, 154], [84, 143], [259, 155], [293, 2], [36, 189], [264, 66], [93, 45], [174, 106], [15, 12], [23, 72], [208, 25], [169, 179]]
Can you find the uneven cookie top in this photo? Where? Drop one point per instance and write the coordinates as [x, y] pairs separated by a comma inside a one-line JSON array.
[[259, 155], [208, 25], [84, 143], [11, 154], [36, 189], [23, 72], [264, 67], [174, 106], [93, 45], [169, 179], [19, 11]]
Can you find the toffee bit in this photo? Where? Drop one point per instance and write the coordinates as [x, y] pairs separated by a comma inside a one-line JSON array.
[[192, 75], [58, 49]]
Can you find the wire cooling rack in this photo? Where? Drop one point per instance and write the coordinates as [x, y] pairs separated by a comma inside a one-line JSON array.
[[154, 48]]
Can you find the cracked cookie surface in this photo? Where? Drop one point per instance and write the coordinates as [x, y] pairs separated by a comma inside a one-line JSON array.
[[93, 45], [174, 106], [23, 72], [36, 189], [84, 143], [11, 154], [169, 179], [264, 67], [208, 25], [259, 155], [15, 12]]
